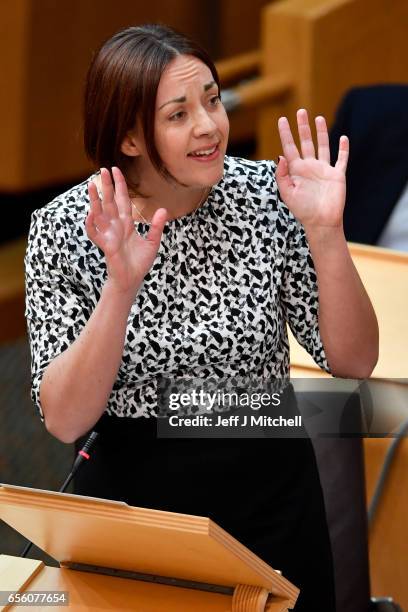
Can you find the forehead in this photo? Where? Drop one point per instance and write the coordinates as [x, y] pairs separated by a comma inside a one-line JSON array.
[[182, 72]]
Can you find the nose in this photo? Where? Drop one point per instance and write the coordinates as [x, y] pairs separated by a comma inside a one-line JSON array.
[[203, 123]]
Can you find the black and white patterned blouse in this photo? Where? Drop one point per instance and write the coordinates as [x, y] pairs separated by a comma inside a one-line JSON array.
[[225, 281]]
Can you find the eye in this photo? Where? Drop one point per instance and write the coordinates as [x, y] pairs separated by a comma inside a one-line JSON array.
[[214, 100], [177, 116]]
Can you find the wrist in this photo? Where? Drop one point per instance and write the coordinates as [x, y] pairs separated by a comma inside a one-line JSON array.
[[112, 291], [325, 236]]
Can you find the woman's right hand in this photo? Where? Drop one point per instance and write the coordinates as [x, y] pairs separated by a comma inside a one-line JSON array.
[[110, 226]]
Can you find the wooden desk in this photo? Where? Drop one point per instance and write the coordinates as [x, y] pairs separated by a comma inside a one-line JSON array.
[[385, 276]]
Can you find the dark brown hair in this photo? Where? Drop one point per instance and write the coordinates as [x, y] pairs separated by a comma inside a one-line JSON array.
[[121, 86]]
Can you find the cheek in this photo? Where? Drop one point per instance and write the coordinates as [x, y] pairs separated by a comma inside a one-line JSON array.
[[170, 143], [225, 128], [222, 120]]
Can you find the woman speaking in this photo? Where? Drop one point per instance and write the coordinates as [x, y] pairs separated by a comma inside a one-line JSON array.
[[176, 260]]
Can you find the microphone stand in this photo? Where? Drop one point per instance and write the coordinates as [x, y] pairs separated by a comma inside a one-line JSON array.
[[82, 455]]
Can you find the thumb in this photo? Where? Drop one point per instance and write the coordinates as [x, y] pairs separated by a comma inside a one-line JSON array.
[[157, 225], [283, 178]]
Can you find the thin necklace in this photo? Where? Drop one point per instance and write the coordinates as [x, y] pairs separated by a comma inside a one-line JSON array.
[[201, 201], [139, 212], [173, 246]]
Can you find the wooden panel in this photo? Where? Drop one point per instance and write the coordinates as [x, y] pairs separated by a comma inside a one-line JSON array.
[[12, 268], [14, 25], [389, 532], [367, 50], [239, 26], [326, 47], [375, 450], [45, 50], [12, 321], [239, 66]]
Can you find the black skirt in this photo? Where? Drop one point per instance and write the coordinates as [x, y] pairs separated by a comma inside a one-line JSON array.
[[264, 492]]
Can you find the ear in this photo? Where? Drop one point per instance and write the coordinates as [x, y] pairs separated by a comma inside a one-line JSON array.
[[131, 145]]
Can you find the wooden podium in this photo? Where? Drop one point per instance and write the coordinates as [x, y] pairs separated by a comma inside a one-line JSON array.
[[117, 557]]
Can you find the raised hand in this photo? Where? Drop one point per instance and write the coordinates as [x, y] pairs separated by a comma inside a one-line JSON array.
[[313, 190], [110, 226]]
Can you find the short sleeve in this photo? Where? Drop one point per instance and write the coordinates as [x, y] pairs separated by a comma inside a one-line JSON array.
[[300, 294], [55, 309]]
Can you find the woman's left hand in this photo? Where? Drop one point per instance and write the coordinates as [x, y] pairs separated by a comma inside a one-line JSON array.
[[313, 190]]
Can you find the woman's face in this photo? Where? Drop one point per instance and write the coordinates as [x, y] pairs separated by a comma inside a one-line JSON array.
[[191, 125]]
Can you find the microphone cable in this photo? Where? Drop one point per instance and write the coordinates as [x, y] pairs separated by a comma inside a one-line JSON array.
[[389, 458], [83, 455]]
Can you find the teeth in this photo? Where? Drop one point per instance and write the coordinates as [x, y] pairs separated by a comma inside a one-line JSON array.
[[207, 152]]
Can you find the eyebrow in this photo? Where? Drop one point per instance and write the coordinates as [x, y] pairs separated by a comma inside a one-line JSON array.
[[206, 87]]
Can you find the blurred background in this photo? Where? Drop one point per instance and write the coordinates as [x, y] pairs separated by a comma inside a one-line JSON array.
[[273, 58]]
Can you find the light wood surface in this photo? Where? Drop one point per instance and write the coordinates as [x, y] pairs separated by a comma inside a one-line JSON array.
[[16, 574], [385, 276], [88, 591]]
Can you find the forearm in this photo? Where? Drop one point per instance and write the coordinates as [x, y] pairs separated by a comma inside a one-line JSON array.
[[76, 385], [347, 322]]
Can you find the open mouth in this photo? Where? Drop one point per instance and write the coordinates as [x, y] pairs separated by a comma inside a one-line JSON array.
[[206, 153]]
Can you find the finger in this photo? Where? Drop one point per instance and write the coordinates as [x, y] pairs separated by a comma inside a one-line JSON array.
[[290, 150], [94, 199], [89, 224], [99, 218], [343, 155], [156, 228], [322, 139], [95, 231], [305, 134], [91, 229], [121, 193], [108, 194], [285, 184], [98, 215]]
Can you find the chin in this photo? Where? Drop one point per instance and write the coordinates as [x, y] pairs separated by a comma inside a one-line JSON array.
[[211, 176], [218, 176]]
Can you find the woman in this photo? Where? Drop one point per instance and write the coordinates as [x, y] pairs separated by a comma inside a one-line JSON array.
[[189, 263]]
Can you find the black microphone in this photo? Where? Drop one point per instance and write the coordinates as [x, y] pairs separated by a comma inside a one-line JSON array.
[[83, 455]]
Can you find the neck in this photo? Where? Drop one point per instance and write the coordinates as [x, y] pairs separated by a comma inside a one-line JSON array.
[[145, 207], [177, 200]]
